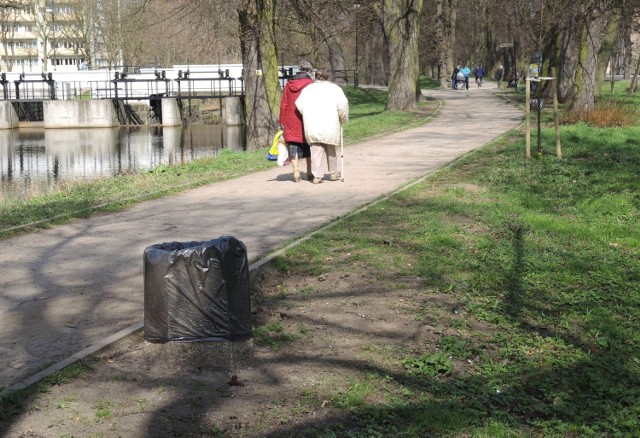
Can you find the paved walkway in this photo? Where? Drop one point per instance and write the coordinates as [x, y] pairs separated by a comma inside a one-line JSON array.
[[69, 287]]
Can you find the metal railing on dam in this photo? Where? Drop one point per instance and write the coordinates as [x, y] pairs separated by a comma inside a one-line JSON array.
[[184, 82], [122, 86], [77, 99]]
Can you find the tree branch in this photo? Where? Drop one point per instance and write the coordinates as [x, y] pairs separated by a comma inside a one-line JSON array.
[[12, 5]]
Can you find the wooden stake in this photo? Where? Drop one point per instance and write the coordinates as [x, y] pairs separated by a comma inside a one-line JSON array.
[[556, 114], [527, 112]]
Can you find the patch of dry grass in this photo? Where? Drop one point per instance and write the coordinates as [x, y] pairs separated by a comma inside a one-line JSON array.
[[606, 114]]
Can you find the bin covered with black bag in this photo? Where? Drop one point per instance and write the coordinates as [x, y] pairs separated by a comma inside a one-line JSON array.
[[197, 291]]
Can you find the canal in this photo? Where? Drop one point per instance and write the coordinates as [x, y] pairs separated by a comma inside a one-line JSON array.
[[34, 160]]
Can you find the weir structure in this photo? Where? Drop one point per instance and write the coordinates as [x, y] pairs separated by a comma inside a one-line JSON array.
[[101, 99]]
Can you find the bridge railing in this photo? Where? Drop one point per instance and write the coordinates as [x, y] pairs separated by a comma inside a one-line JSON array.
[[140, 86], [123, 87]]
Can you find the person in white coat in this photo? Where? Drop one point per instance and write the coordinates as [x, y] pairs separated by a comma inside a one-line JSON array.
[[324, 108]]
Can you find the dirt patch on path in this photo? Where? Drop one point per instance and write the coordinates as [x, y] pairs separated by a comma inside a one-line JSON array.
[[317, 339]]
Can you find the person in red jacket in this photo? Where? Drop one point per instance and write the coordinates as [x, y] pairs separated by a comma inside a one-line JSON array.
[[291, 120]]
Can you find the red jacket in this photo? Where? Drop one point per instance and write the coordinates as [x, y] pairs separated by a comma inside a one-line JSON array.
[[290, 117]]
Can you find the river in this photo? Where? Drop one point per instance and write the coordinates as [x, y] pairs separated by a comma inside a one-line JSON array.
[[34, 160]]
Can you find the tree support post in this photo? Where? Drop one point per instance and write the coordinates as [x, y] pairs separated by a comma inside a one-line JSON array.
[[556, 113], [527, 112]]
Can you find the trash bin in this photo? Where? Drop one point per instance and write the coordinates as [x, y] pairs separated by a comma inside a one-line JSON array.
[[197, 291]]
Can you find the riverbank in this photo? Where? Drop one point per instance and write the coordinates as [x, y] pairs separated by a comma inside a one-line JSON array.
[[81, 199], [80, 282]]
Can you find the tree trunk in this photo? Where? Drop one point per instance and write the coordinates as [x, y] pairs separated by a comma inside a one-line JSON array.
[[480, 34], [260, 71], [591, 42], [628, 46], [336, 56], [445, 35], [567, 56], [451, 11], [441, 43], [634, 81], [401, 22], [606, 50], [377, 56]]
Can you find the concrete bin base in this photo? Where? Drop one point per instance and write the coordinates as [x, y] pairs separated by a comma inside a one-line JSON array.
[[193, 356]]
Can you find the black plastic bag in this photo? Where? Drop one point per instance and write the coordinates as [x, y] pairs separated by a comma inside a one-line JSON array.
[[197, 291]]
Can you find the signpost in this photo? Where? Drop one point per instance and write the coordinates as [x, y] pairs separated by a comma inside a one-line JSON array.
[[528, 107]]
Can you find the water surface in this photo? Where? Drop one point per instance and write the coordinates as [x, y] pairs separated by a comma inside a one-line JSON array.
[[34, 160]]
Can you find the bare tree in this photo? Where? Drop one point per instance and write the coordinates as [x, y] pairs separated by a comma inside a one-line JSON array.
[[376, 52], [401, 20], [14, 5], [333, 23], [43, 28], [260, 69], [613, 28], [252, 22], [445, 36], [79, 29], [9, 18], [109, 34], [168, 32], [594, 22]]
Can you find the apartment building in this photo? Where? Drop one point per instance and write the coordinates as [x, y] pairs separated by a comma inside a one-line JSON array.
[[50, 36]]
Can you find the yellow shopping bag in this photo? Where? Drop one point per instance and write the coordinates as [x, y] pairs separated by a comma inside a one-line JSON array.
[[272, 155]]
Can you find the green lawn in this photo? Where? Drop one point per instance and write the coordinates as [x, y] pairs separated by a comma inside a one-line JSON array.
[[544, 254]]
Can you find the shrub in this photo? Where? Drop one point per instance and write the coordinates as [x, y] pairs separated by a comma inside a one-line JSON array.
[[606, 114]]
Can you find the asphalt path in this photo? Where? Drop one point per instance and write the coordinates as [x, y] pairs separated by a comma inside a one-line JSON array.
[[67, 288]]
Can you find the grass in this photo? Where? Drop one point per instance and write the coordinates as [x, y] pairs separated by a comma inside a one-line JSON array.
[[543, 253], [429, 83], [82, 199], [104, 409], [271, 335], [19, 401], [546, 254]]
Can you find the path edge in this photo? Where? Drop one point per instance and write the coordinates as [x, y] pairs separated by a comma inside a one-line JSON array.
[[254, 270]]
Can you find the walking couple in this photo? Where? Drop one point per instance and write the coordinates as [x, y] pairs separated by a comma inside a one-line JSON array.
[[311, 114]]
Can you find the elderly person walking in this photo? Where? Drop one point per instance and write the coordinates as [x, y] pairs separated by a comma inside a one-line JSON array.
[[291, 120], [324, 108], [499, 75]]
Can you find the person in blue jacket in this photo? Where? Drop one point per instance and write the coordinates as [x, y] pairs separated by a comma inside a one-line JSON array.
[[466, 71], [479, 75]]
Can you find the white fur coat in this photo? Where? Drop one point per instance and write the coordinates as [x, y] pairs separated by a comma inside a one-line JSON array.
[[324, 107]]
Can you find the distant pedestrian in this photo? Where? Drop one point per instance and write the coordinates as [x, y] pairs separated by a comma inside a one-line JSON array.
[[291, 120], [466, 72], [454, 77], [499, 75], [479, 75], [324, 109]]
